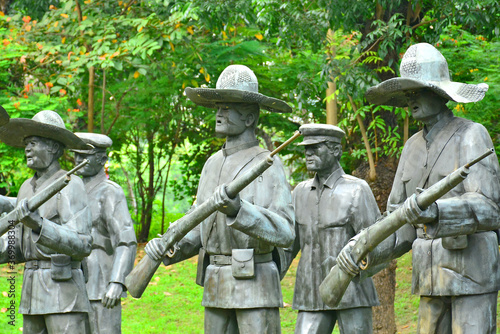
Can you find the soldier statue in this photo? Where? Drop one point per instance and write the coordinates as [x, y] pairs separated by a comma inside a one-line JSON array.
[[242, 292], [329, 209], [53, 240], [114, 242], [455, 247]]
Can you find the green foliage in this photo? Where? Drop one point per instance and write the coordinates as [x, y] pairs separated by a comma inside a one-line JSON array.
[[479, 65]]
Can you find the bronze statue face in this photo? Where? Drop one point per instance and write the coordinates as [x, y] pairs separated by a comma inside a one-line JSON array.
[[96, 163], [424, 104], [319, 157], [230, 121], [39, 152]]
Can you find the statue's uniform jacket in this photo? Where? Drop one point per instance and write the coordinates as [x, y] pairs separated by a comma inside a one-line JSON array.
[[265, 220], [438, 271], [65, 230], [114, 242], [327, 216]]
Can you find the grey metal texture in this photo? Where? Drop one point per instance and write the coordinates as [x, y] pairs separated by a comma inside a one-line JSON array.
[[327, 217], [114, 242], [423, 66]]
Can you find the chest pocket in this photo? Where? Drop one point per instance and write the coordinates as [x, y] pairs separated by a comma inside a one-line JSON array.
[[334, 216]]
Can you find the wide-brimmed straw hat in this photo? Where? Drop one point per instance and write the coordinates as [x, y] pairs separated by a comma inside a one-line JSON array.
[[237, 83], [95, 141], [46, 124], [423, 66]]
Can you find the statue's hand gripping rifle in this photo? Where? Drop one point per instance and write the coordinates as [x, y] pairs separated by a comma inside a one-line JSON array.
[[138, 279], [335, 283], [10, 220]]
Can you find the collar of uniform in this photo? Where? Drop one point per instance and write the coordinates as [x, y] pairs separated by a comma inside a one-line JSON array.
[[429, 136], [330, 182], [36, 181], [232, 150], [93, 181]]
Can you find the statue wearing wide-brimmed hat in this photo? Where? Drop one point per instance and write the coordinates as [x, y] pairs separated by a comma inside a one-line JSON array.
[[114, 243], [54, 239], [237, 244], [455, 247]]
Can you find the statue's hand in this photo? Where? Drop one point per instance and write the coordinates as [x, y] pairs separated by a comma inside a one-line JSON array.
[[155, 249], [228, 206], [112, 296], [6, 205], [28, 218], [345, 261], [414, 215]]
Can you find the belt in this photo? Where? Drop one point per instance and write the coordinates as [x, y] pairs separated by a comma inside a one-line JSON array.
[[46, 264], [422, 235], [226, 260]]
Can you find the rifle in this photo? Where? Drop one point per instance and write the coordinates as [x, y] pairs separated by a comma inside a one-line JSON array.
[[138, 279], [4, 117], [335, 283], [8, 221]]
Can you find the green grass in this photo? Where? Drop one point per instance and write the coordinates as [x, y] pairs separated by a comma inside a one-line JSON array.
[[172, 302]]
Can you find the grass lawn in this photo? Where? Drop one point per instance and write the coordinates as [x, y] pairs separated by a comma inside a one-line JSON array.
[[172, 302]]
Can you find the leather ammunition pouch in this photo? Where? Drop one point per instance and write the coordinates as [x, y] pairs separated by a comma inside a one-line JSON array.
[[454, 243], [203, 262], [60, 267], [242, 264]]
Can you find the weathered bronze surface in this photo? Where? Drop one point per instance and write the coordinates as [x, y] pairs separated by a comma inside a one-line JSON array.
[[242, 291], [114, 243], [329, 210], [455, 247], [53, 296]]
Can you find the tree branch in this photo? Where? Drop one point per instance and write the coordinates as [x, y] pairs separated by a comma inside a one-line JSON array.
[[369, 154], [117, 114]]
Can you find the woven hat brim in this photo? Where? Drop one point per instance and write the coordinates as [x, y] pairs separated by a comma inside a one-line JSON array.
[[208, 97], [392, 92], [4, 116], [14, 133]]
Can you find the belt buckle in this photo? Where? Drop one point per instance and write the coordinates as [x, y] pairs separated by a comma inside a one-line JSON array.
[[34, 264]]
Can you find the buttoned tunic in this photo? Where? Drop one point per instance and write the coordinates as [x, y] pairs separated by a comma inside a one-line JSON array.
[[265, 220], [327, 216], [65, 230], [114, 242], [428, 157]]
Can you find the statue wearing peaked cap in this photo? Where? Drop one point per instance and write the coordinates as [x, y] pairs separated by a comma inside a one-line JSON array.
[[54, 239], [242, 292], [114, 242], [329, 210], [455, 247]]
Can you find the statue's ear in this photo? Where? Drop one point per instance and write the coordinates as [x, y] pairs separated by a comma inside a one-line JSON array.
[[250, 119], [104, 158], [337, 151]]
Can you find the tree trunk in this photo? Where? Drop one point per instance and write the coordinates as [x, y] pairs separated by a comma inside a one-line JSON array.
[[384, 321], [147, 214], [4, 6], [331, 105], [91, 100]]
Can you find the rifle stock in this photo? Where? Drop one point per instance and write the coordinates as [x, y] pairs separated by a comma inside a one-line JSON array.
[[336, 282], [139, 278], [10, 220]]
